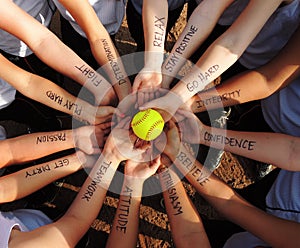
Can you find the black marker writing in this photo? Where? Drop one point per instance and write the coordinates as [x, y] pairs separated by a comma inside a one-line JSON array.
[[216, 99], [159, 23], [113, 63], [89, 192], [51, 138], [240, 143], [90, 74], [124, 207], [173, 195]]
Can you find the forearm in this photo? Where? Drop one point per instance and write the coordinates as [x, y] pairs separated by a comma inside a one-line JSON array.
[[36, 145], [108, 57], [48, 93], [154, 23], [198, 28], [125, 226], [226, 50], [24, 182], [89, 200], [228, 203], [274, 148], [186, 226]]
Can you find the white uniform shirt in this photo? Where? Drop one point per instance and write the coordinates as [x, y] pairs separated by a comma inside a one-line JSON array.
[[110, 13], [24, 219], [41, 10]]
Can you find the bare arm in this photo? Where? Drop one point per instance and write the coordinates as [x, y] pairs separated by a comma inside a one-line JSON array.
[[26, 181], [198, 28], [278, 149], [101, 44], [126, 222], [254, 84], [59, 57], [275, 231], [220, 55], [88, 202], [28, 147], [186, 225], [154, 24]]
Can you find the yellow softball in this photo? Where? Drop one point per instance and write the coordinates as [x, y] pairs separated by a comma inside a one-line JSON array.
[[147, 124]]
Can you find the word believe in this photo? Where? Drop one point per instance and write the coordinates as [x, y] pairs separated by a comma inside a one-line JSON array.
[[200, 175]]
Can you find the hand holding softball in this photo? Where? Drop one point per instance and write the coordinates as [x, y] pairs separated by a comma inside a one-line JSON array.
[[121, 143]]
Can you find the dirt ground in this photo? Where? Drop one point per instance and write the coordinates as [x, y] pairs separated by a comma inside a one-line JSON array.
[[154, 226]]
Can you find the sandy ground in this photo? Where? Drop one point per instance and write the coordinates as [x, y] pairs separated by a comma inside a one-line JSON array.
[[154, 225]]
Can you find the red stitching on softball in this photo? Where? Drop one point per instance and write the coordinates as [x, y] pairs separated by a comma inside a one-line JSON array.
[[142, 119], [155, 124]]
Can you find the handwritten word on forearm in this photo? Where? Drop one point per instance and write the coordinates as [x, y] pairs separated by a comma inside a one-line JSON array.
[[200, 174], [90, 74], [51, 138], [203, 78], [98, 178], [124, 207], [46, 168], [119, 76], [217, 99], [172, 192], [231, 141], [159, 32], [77, 109]]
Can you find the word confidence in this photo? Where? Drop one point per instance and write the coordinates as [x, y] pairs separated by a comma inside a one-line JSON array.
[[242, 143], [217, 99], [51, 138], [173, 197], [204, 78], [91, 189], [112, 61], [123, 207], [159, 23]]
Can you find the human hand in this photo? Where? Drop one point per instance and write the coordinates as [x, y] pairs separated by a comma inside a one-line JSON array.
[[90, 139], [141, 170], [108, 99], [172, 145], [105, 113], [87, 161], [147, 79], [122, 143], [190, 126]]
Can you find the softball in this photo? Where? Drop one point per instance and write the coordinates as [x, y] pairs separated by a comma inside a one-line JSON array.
[[147, 124]]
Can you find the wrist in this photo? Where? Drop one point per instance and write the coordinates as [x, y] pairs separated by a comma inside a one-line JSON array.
[[153, 61], [133, 184]]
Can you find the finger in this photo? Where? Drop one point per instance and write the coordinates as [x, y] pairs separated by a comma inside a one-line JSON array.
[[136, 84], [146, 97], [124, 123], [140, 99]]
